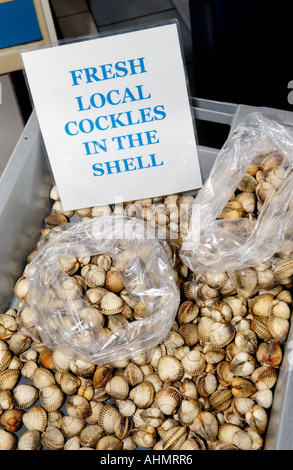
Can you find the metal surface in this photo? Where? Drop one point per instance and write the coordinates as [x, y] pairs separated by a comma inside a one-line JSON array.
[[24, 202]]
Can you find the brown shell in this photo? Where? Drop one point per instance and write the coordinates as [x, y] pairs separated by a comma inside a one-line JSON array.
[[174, 438]]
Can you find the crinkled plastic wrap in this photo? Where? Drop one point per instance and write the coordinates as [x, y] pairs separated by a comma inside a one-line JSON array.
[[63, 314], [216, 241]]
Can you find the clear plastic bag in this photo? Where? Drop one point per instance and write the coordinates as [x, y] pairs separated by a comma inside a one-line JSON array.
[[64, 316], [257, 159]]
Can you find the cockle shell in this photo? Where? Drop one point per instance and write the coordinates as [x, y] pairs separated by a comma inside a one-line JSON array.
[[174, 438], [206, 425], [43, 377], [126, 407], [78, 406], [51, 397], [257, 419], [170, 368], [264, 377], [102, 375], [243, 364], [283, 268], [189, 332], [129, 444], [117, 387], [35, 418], [153, 416], [272, 160], [224, 374], [111, 304], [145, 436], [82, 368], [90, 435], [247, 200], [206, 384], [25, 395], [55, 419], [188, 411], [114, 281], [21, 288], [9, 378], [248, 183], [108, 416], [221, 334], [71, 426], [5, 357], [69, 265], [168, 399], [95, 411], [8, 440], [60, 360], [193, 362], [69, 383], [240, 406], [260, 304], [221, 399], [265, 279], [94, 295], [8, 326], [188, 311], [190, 444], [259, 325], [263, 398], [6, 400], [109, 443], [11, 420], [123, 427], [279, 308], [143, 395], [133, 374], [256, 439], [30, 440], [72, 444], [242, 388], [53, 439], [19, 342], [95, 277], [45, 358], [246, 341], [278, 327]]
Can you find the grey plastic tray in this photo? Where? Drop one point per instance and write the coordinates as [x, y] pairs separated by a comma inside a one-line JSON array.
[[24, 202]]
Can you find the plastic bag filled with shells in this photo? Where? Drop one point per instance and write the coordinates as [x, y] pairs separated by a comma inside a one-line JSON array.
[[96, 323], [243, 215]]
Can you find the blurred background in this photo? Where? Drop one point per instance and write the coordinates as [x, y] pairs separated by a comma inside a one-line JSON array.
[[233, 51]]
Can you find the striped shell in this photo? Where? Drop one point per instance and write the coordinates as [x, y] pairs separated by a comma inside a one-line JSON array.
[[9, 378], [170, 368], [143, 395], [174, 438], [221, 334], [168, 400], [51, 397], [35, 418], [111, 304], [53, 439], [30, 440], [261, 304], [90, 435]]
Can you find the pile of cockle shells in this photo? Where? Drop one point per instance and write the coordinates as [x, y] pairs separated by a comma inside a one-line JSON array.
[[209, 385]]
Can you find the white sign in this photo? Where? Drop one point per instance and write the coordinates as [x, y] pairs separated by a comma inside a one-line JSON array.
[[115, 116]]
